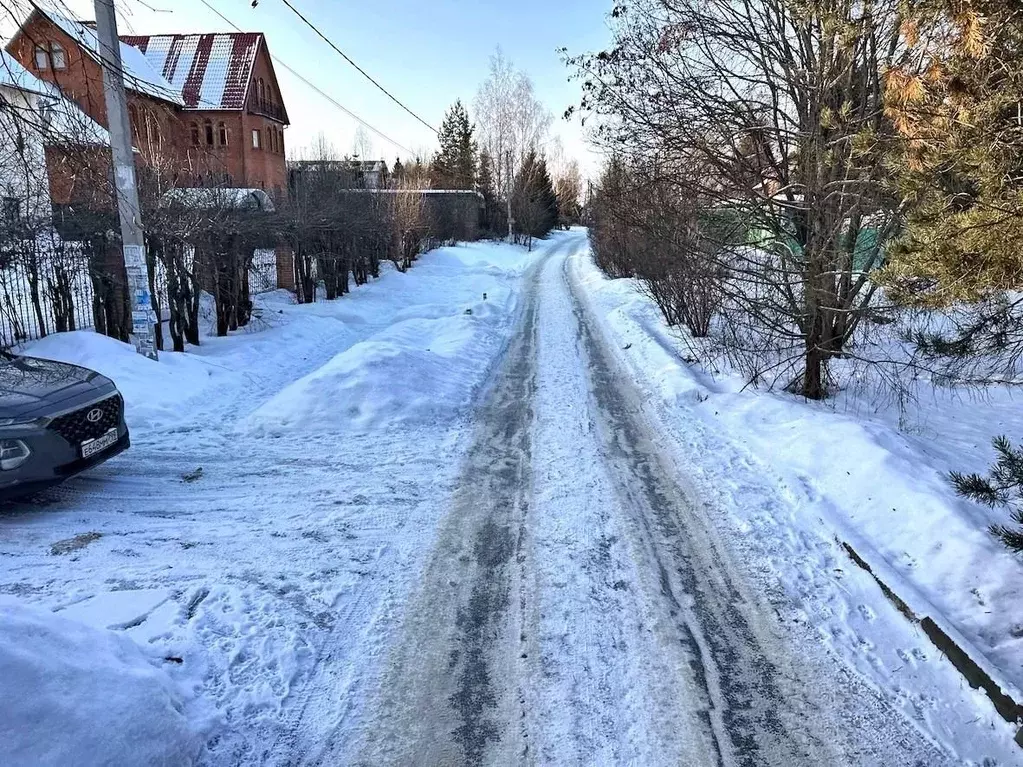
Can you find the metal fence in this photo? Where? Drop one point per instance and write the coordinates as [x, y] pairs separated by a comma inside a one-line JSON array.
[[39, 291], [38, 287]]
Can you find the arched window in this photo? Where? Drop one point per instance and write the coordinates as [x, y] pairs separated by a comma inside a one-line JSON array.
[[261, 91], [133, 120], [280, 141], [195, 134], [42, 58], [273, 139], [222, 133], [208, 127]]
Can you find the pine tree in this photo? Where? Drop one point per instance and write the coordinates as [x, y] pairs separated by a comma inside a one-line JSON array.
[[398, 172], [493, 213], [454, 167], [958, 105], [1002, 487]]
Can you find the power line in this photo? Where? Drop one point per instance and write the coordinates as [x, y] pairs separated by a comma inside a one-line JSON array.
[[316, 88], [362, 71]]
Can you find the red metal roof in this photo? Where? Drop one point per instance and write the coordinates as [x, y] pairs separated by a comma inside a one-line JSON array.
[[210, 71]]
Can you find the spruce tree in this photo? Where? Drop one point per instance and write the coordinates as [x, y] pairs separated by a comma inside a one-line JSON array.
[[398, 172], [534, 202], [1002, 487], [454, 167]]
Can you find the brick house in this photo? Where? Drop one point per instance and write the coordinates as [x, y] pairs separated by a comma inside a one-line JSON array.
[[206, 106], [233, 108]]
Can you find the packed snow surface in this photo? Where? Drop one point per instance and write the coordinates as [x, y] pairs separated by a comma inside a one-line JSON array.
[[482, 512]]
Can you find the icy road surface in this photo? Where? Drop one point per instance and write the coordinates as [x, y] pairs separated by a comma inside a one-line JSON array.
[[502, 561]]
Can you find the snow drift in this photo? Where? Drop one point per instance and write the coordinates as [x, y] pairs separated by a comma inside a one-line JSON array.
[[78, 695], [417, 370]]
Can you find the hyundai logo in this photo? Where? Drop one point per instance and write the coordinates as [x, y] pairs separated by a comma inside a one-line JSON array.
[[94, 415]]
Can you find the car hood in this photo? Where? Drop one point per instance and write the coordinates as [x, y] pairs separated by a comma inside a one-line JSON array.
[[32, 387]]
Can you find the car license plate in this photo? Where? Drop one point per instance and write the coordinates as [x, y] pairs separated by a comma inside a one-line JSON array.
[[92, 446]]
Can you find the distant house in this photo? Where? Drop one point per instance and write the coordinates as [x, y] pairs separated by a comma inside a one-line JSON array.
[[373, 173], [342, 174], [206, 106]]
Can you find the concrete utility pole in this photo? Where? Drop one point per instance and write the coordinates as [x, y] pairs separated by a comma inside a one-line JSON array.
[[124, 180]]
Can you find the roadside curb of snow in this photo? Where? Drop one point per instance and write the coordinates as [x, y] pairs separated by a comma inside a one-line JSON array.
[[675, 381], [950, 644]]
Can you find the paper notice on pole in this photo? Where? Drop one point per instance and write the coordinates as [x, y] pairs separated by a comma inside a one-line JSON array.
[[134, 257], [140, 321]]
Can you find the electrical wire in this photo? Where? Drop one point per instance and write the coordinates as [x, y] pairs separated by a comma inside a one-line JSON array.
[[362, 71], [316, 88]]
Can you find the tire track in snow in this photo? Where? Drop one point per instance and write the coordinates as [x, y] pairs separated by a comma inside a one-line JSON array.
[[763, 708], [444, 697]]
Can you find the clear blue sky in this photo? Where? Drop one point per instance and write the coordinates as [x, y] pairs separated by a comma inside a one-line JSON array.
[[427, 52]]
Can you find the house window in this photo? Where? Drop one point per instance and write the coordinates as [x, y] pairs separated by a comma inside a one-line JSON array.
[[222, 133], [256, 143], [195, 134], [42, 58], [209, 133], [280, 142], [57, 56], [261, 91]]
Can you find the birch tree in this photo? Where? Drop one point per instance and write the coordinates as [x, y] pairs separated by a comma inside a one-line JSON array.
[[511, 120]]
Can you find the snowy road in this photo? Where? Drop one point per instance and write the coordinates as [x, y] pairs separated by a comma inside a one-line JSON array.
[[508, 562], [577, 608]]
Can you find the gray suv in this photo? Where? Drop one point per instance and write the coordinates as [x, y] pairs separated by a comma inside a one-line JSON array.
[[56, 420]]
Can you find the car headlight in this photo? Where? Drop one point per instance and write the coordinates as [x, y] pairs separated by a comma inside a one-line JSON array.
[[13, 453]]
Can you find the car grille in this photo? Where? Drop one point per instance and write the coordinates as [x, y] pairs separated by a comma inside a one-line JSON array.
[[76, 427]]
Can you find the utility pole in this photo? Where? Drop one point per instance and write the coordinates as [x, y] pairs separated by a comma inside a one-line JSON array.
[[119, 128]]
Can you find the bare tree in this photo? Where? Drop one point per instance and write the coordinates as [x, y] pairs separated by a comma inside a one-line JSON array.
[[779, 105], [568, 184], [510, 119], [408, 213], [362, 144]]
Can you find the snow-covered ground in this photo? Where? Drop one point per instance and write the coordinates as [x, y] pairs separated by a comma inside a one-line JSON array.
[[477, 513], [282, 485], [856, 469]]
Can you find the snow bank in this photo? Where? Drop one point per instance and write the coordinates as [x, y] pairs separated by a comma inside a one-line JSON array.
[[852, 475], [77, 695], [418, 370], [421, 367], [224, 569], [153, 391]]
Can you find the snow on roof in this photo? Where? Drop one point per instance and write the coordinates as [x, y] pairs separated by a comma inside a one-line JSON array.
[[14, 75], [210, 71], [139, 76], [57, 119]]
